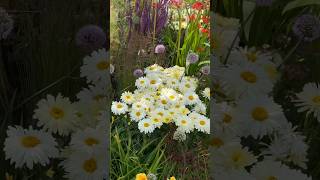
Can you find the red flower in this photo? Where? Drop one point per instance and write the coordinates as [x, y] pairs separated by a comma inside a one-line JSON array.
[[192, 17], [197, 5], [205, 19], [205, 30]]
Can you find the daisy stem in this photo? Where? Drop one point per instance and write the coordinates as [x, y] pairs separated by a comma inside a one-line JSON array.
[[237, 35], [28, 99]]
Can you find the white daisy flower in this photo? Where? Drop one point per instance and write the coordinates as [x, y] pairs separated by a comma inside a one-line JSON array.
[[88, 140], [220, 137], [259, 116], [187, 86], [127, 97], [85, 166], [200, 108], [119, 108], [225, 116], [233, 156], [29, 147], [146, 126], [156, 120], [154, 82], [191, 98], [184, 123], [309, 100], [153, 69], [275, 170], [56, 114], [140, 105], [93, 93], [242, 80], [202, 124], [206, 93], [137, 114], [96, 67], [142, 82]]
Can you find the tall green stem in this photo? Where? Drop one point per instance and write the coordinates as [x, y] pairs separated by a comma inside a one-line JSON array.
[[178, 41]]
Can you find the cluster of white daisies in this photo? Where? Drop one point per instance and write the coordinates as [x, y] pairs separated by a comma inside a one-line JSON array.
[[252, 139], [73, 133], [164, 96]]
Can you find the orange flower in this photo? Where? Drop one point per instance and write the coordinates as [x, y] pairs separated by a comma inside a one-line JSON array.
[[141, 176]]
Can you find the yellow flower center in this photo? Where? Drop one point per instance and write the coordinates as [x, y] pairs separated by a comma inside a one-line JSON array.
[[90, 165], [146, 124], [153, 81], [191, 98], [160, 114], [103, 65], [216, 142], [187, 85], [316, 99], [202, 123], [163, 101], [138, 113], [91, 141], [183, 122], [56, 113], [156, 120], [30, 141], [252, 57], [142, 82], [227, 118], [249, 76], [172, 97], [119, 106], [259, 114]]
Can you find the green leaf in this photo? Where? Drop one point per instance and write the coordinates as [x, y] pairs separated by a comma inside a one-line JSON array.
[[299, 3]]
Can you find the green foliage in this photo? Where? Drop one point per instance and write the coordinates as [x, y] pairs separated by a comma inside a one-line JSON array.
[[133, 153]]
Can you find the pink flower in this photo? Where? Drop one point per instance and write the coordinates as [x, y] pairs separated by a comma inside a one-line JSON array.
[[160, 49]]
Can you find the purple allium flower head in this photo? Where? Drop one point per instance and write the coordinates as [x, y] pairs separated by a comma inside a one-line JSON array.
[[205, 70], [264, 2], [160, 49], [192, 58], [91, 37], [6, 24], [138, 73], [307, 27]]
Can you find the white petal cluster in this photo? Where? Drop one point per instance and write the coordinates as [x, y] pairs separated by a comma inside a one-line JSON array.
[[163, 96]]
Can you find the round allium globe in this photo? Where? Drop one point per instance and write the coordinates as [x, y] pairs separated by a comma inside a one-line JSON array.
[[138, 73], [160, 49], [192, 58], [205, 70], [91, 37], [307, 27]]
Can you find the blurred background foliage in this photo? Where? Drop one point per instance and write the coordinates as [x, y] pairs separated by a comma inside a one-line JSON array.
[[40, 56]]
